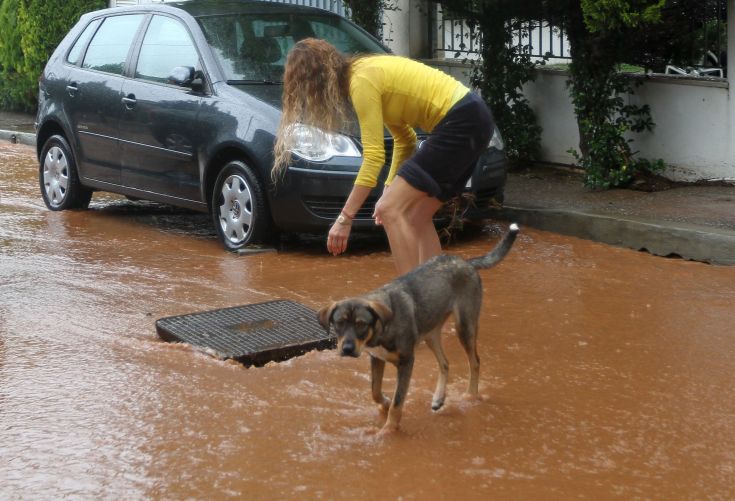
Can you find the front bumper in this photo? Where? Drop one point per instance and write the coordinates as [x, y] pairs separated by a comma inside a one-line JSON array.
[[311, 195]]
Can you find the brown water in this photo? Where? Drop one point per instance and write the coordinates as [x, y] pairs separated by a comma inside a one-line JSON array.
[[605, 372]]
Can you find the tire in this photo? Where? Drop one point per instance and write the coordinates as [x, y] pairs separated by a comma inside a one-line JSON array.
[[239, 207], [58, 177]]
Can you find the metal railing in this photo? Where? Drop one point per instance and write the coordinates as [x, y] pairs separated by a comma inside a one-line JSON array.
[[453, 38]]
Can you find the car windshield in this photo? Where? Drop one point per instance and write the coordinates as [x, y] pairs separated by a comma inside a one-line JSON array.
[[253, 47]]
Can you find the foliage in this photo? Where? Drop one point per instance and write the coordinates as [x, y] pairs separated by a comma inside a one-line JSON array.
[[35, 28], [603, 15], [368, 13], [504, 68], [687, 30], [11, 55], [600, 33]]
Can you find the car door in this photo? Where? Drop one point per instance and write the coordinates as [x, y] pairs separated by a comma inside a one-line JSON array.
[[158, 134], [93, 96]]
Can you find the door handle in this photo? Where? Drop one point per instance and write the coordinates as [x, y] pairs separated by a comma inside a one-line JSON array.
[[129, 101], [72, 89]]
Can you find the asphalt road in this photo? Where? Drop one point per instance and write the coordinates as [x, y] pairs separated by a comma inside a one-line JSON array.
[[606, 372]]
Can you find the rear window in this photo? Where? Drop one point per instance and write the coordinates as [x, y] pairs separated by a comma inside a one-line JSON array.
[[75, 54], [110, 46], [253, 47]]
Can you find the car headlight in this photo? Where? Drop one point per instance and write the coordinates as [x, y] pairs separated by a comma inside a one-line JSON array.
[[496, 141], [315, 145]]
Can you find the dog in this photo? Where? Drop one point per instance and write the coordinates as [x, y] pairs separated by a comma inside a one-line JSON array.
[[390, 322]]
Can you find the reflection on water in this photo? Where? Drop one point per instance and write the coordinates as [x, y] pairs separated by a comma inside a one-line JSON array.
[[604, 371]]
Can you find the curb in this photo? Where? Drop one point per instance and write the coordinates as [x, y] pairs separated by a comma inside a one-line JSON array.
[[692, 242], [16, 137]]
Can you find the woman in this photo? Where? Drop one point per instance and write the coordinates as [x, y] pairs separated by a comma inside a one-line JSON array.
[[399, 94]]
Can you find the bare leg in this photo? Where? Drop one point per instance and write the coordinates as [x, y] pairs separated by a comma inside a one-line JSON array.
[[422, 220], [406, 214]]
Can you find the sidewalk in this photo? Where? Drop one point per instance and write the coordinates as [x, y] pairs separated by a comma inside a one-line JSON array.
[[17, 128], [693, 222]]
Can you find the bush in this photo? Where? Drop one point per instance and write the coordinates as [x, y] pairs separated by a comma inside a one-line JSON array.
[[32, 30]]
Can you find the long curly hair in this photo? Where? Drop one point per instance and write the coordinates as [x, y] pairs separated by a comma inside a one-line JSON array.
[[315, 92]]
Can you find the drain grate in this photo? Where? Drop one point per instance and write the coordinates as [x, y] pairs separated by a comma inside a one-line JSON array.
[[253, 334]]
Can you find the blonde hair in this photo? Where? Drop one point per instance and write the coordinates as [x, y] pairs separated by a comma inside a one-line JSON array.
[[315, 92]]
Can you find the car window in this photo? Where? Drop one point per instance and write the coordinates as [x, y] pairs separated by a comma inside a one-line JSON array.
[[75, 53], [166, 45], [109, 47], [253, 47]]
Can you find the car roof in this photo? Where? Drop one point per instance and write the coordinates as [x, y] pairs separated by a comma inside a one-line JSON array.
[[203, 8]]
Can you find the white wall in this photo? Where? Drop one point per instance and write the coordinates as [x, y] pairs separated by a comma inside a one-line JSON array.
[[693, 132]]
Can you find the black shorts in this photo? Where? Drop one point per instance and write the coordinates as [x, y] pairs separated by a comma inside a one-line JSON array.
[[447, 158]]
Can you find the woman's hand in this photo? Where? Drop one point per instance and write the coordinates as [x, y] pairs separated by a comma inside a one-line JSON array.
[[337, 238]]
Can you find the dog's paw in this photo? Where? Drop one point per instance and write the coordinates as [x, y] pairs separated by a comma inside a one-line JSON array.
[[387, 430], [471, 397], [384, 406]]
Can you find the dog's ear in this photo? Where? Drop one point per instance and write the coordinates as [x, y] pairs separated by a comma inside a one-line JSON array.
[[381, 311], [325, 315]]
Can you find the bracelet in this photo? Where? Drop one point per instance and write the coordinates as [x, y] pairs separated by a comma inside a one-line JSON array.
[[345, 214]]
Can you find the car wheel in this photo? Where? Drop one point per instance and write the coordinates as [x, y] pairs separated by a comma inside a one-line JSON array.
[[239, 207], [59, 179]]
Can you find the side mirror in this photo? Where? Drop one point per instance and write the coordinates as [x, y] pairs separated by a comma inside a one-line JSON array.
[[197, 83], [182, 76]]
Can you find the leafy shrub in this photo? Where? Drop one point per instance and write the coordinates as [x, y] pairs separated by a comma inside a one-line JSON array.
[[31, 31]]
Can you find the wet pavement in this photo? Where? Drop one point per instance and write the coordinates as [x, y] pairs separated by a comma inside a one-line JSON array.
[[692, 221], [606, 372]]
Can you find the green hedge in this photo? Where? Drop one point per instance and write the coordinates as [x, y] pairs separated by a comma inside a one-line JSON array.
[[32, 29]]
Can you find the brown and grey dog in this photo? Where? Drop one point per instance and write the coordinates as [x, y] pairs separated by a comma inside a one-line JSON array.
[[392, 320]]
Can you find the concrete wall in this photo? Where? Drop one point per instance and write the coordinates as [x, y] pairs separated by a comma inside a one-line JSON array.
[[693, 120]]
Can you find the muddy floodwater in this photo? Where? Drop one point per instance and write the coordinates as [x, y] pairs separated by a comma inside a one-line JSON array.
[[605, 372]]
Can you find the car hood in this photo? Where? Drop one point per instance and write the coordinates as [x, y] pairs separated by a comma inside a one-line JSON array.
[[269, 93]]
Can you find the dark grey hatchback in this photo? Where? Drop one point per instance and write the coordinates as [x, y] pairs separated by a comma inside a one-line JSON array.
[[179, 103]]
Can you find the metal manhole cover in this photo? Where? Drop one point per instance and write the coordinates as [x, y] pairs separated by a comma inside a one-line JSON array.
[[253, 334]]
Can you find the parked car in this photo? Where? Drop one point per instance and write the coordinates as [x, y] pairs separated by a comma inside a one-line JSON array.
[[179, 103]]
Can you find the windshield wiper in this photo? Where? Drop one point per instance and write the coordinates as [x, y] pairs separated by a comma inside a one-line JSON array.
[[253, 82]]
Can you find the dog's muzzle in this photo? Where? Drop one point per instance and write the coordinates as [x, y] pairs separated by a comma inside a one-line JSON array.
[[349, 349]]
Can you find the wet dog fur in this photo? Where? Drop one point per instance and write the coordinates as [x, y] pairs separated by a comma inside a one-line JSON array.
[[389, 322]]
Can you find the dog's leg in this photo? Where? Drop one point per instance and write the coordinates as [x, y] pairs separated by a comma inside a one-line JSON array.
[[403, 378], [434, 342], [377, 366], [467, 332]]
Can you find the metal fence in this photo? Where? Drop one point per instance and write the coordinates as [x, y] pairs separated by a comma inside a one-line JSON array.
[[705, 25], [455, 39]]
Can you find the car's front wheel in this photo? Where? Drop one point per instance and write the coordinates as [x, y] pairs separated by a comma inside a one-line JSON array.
[[59, 178], [239, 207]]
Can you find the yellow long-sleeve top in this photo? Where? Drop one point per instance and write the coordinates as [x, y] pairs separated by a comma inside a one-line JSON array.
[[400, 94]]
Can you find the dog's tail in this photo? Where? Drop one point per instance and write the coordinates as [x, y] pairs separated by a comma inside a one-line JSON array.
[[498, 253]]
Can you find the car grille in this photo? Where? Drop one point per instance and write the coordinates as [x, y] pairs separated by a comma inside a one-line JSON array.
[[330, 207]]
